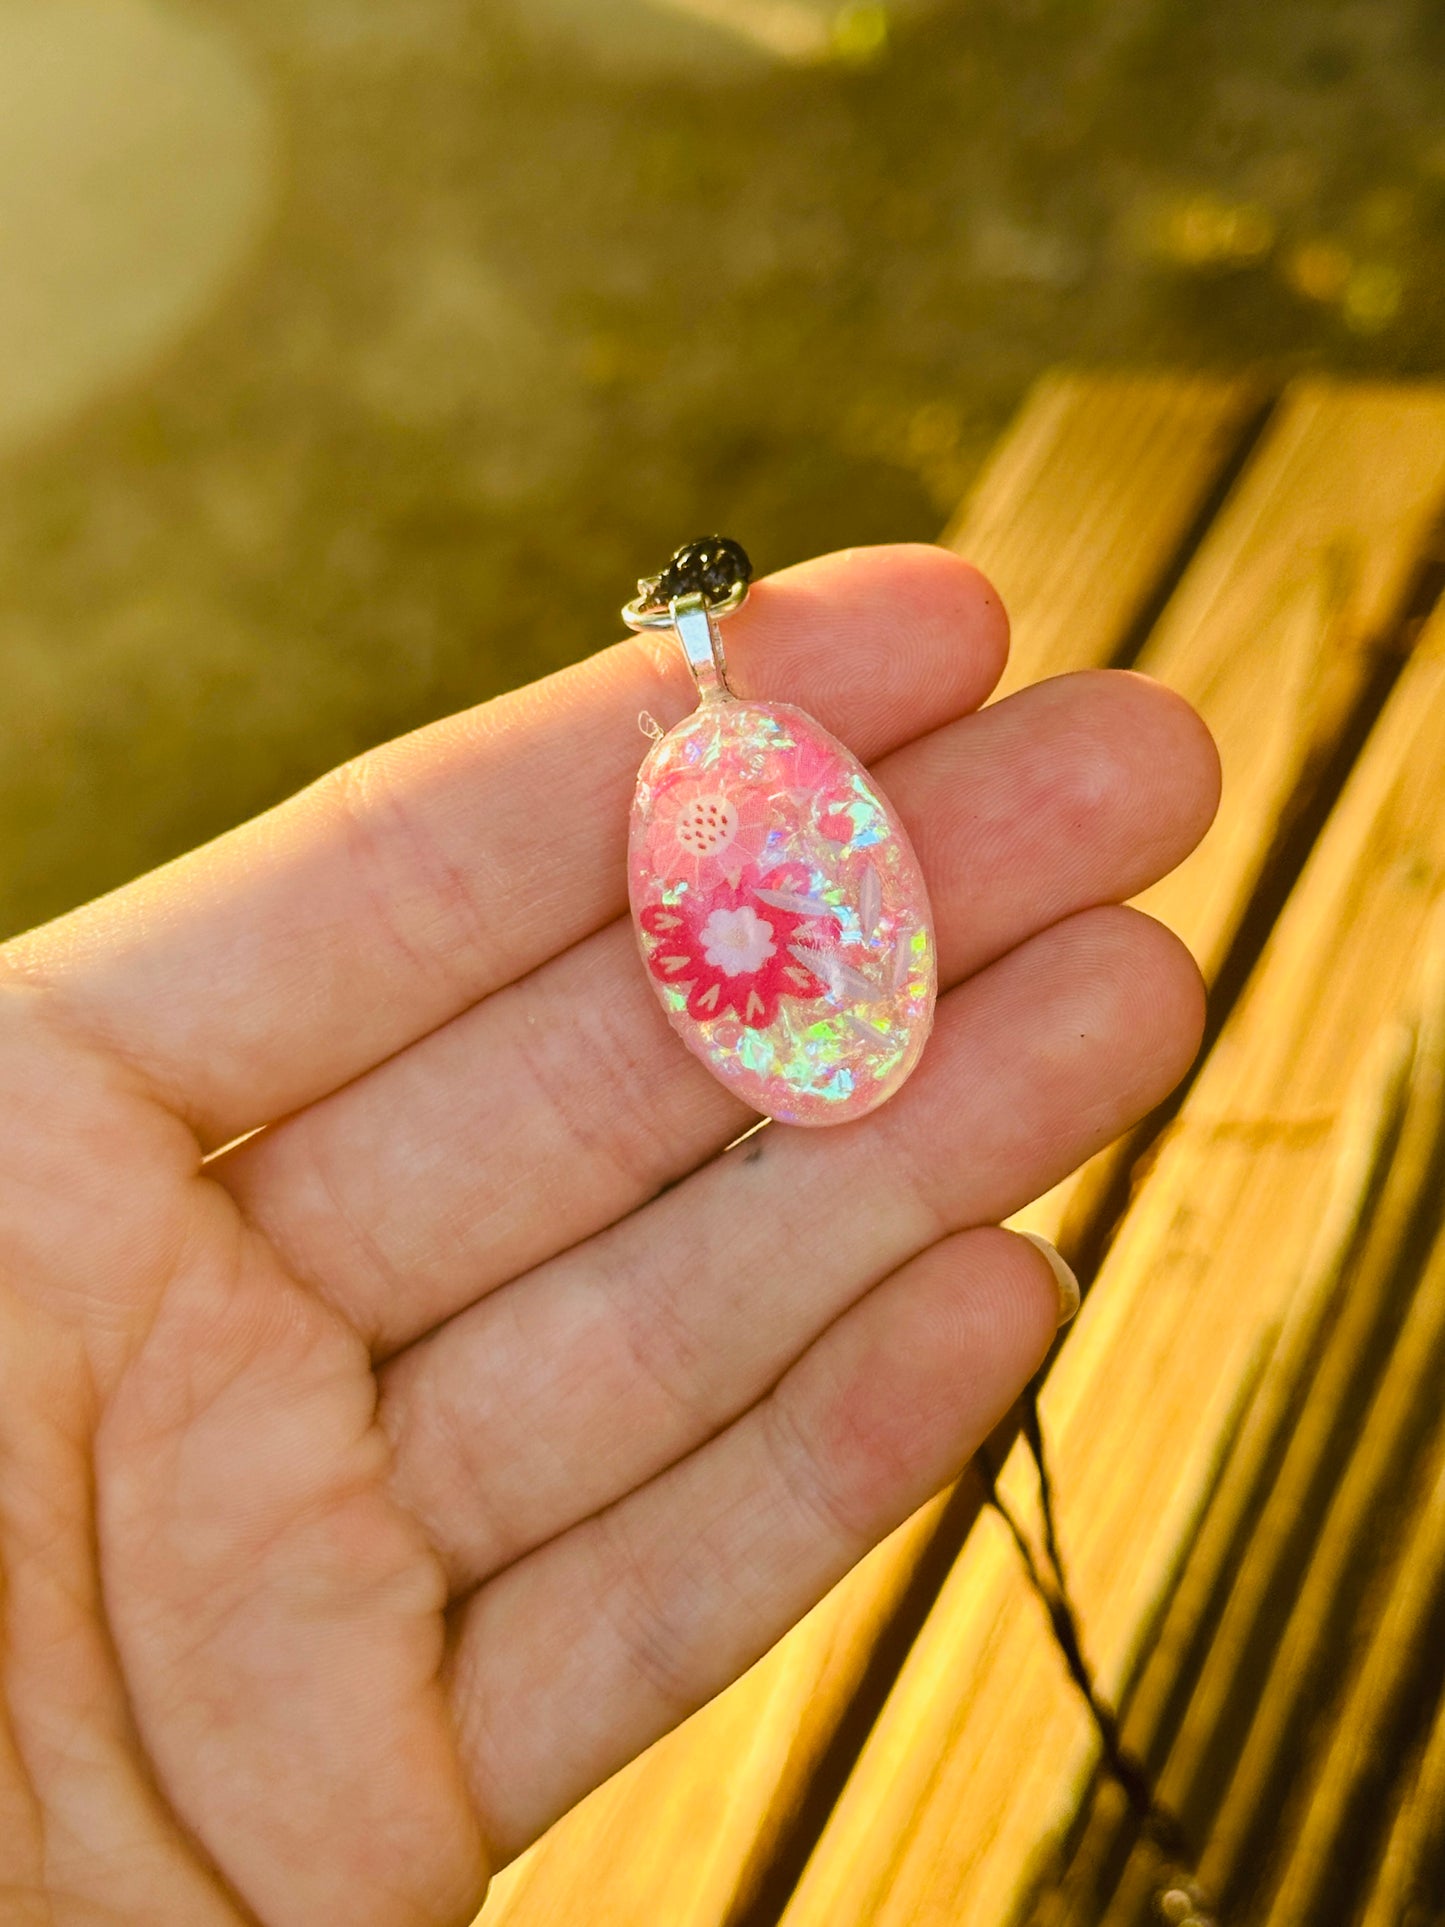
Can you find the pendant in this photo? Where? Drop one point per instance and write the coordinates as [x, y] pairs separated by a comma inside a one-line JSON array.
[[779, 907]]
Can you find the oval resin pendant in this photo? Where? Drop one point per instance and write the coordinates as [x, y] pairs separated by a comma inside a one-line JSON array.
[[781, 911]]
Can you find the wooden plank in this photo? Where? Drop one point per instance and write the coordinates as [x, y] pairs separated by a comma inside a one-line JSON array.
[[1278, 628], [1410, 1882], [683, 1834], [1286, 624], [1082, 516], [1375, 1707], [1291, 1601], [983, 1751]]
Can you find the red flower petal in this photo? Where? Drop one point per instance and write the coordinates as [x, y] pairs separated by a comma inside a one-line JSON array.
[[679, 957]]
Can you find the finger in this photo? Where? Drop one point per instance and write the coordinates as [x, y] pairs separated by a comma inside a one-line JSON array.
[[558, 1393], [561, 1104], [254, 975], [576, 1659]]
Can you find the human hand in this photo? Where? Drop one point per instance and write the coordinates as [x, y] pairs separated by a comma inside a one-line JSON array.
[[372, 1490]]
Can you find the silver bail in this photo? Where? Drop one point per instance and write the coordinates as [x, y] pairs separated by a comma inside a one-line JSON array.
[[701, 638]]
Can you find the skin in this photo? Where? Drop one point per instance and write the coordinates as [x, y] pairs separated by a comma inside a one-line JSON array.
[[372, 1488]]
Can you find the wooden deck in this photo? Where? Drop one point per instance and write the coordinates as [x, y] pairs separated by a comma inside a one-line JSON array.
[[1246, 1424]]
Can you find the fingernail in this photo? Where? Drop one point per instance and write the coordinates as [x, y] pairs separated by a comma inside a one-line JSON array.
[[1068, 1284]]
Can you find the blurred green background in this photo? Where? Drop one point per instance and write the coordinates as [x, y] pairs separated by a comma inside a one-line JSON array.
[[356, 356]]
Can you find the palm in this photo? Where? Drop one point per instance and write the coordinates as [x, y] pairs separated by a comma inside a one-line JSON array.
[[369, 1494]]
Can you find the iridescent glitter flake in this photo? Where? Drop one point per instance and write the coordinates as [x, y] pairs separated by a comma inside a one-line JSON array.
[[781, 911]]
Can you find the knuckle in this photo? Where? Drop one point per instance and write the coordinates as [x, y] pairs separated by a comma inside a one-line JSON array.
[[811, 1475], [649, 1620]]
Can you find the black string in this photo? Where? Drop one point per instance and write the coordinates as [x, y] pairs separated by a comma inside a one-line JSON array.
[[1129, 1773], [1033, 1432]]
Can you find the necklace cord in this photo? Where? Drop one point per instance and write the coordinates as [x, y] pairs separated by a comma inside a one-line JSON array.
[[1049, 1582]]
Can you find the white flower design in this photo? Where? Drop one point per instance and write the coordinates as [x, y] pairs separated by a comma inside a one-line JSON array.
[[706, 826], [734, 941]]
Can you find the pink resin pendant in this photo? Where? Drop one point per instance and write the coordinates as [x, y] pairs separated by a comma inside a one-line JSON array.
[[780, 909]]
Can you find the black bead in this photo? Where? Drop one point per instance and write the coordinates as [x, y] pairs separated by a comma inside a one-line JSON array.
[[710, 567]]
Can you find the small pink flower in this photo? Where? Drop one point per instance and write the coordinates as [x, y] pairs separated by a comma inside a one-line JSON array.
[[700, 830], [732, 952]]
